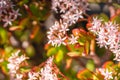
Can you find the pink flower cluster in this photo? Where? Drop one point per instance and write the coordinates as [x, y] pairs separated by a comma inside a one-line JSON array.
[[33, 76], [108, 35], [106, 73], [14, 65], [58, 34], [46, 73], [7, 12], [71, 10]]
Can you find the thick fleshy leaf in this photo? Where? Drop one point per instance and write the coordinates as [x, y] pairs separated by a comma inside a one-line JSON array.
[[104, 17], [8, 51], [74, 54], [108, 64], [59, 56], [23, 23], [30, 51], [87, 47], [116, 19], [82, 40], [85, 75], [68, 63], [90, 65], [52, 51], [23, 2], [3, 36], [4, 67]]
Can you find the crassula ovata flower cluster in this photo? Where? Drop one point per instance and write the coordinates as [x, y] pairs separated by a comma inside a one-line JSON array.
[[7, 12], [14, 65], [108, 35], [106, 73], [57, 33], [46, 73], [71, 11]]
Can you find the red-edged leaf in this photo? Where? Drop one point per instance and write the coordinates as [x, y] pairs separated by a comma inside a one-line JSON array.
[[85, 74], [108, 64]]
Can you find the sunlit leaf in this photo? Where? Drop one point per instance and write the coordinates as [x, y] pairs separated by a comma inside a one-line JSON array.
[[104, 17], [23, 23], [23, 2], [52, 51], [68, 63], [4, 67], [3, 36], [25, 69], [90, 65], [108, 64], [82, 40], [87, 47], [84, 74], [30, 51], [74, 54], [59, 56]]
